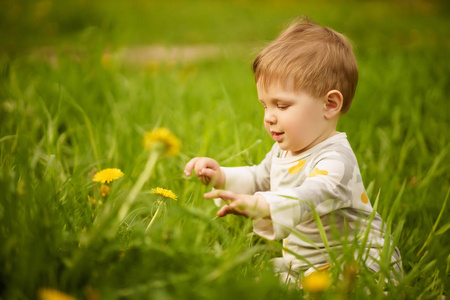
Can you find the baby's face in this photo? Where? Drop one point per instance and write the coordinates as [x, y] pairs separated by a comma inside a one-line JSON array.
[[293, 119]]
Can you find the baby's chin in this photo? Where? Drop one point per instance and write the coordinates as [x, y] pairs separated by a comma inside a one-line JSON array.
[[290, 151], [285, 148]]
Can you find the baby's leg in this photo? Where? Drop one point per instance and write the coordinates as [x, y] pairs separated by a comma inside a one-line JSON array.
[[285, 273]]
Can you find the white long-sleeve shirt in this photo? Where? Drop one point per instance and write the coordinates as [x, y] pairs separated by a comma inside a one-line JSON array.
[[325, 178]]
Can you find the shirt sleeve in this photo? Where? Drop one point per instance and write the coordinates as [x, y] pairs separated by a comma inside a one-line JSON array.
[[323, 191], [249, 179]]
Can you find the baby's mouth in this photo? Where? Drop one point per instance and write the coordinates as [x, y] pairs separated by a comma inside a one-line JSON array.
[[277, 136]]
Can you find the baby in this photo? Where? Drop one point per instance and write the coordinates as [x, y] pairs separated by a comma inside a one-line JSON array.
[[305, 79]]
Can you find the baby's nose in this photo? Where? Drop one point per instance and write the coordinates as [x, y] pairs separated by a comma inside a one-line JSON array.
[[270, 118]]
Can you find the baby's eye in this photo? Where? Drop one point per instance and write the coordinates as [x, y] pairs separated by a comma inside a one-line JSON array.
[[281, 106]]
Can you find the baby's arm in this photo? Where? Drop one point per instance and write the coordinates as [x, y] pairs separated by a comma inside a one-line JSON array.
[[252, 206], [207, 170], [241, 183]]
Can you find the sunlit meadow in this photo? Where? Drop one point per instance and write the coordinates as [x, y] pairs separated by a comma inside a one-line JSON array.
[[94, 203]]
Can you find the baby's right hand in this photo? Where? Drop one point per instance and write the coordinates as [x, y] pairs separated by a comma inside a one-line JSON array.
[[207, 170]]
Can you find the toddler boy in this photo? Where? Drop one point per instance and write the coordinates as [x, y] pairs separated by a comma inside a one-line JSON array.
[[306, 79]]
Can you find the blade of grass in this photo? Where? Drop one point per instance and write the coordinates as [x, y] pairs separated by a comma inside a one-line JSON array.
[[431, 234]]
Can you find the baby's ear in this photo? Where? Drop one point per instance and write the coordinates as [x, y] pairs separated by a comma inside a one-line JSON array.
[[333, 105]]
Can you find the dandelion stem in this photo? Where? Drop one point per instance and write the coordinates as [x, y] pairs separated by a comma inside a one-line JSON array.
[[145, 175], [154, 216]]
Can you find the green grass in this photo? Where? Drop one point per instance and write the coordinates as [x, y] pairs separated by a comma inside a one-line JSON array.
[[60, 120]]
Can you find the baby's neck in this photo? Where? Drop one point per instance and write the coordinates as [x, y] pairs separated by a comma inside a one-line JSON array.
[[316, 142]]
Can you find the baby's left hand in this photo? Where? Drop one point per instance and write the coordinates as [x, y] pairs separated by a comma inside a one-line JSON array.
[[253, 206]]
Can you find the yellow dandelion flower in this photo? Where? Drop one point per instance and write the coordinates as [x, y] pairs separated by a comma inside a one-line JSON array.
[[91, 200], [164, 137], [52, 294], [317, 282], [107, 175], [105, 190], [165, 193]]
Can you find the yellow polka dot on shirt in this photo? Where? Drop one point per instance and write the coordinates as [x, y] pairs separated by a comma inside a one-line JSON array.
[[364, 198], [298, 167], [285, 247], [318, 172]]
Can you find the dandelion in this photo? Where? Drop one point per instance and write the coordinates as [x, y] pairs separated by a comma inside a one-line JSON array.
[[158, 141], [105, 190], [91, 200], [317, 282], [52, 294], [107, 175], [162, 137], [165, 193]]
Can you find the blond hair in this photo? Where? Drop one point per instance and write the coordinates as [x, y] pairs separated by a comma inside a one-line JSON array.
[[316, 58]]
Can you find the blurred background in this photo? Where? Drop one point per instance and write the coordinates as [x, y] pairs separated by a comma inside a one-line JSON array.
[[26, 24], [81, 81]]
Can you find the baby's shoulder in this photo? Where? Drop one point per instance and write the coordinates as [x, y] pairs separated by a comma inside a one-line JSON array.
[[336, 151]]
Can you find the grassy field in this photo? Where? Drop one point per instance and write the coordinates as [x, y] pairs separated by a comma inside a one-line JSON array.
[[72, 103]]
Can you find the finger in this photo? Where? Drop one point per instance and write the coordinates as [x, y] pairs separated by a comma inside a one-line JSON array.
[[207, 175], [223, 211], [190, 166], [207, 172], [200, 164], [205, 180], [231, 209], [225, 195]]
